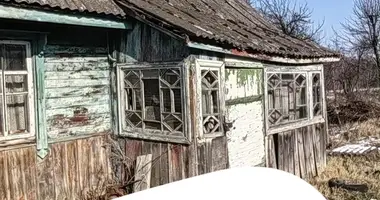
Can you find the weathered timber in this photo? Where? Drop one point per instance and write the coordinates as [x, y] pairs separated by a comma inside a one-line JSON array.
[[143, 172], [351, 187]]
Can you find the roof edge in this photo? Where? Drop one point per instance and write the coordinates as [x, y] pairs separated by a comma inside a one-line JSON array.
[[264, 57]]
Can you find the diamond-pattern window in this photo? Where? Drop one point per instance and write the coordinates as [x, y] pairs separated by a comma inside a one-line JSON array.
[[211, 110], [287, 97], [317, 97], [153, 100]]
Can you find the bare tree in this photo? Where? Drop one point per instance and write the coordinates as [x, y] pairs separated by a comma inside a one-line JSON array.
[[362, 30], [292, 18]]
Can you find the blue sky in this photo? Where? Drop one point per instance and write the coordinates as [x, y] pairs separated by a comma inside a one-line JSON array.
[[333, 11]]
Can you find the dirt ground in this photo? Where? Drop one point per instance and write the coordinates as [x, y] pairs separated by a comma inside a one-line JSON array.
[[363, 169]]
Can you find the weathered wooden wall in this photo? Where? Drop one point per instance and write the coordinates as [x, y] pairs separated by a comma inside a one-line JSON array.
[[170, 162], [301, 152], [77, 83], [147, 44], [72, 170]]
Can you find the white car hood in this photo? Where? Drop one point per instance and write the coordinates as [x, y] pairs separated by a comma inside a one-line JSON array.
[[237, 184]]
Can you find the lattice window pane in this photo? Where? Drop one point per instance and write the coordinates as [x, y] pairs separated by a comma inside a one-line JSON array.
[[154, 100], [317, 97], [287, 97], [210, 101]]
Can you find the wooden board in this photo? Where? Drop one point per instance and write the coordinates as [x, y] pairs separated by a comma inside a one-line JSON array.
[[143, 172]]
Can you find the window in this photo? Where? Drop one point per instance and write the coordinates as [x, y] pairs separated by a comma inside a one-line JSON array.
[[288, 99], [211, 97], [317, 97], [16, 90], [153, 100]]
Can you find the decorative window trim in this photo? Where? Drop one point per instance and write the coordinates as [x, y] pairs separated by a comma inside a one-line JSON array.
[[148, 134], [220, 67], [38, 42], [311, 119]]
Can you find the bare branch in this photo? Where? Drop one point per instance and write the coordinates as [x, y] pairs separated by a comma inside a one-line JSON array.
[[292, 18]]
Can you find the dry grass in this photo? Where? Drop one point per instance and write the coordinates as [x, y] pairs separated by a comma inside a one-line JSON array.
[[359, 169], [365, 169]]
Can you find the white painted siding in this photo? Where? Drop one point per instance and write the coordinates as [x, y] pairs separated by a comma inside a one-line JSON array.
[[246, 138]]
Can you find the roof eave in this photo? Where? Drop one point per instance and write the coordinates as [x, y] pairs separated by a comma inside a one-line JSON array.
[[264, 57]]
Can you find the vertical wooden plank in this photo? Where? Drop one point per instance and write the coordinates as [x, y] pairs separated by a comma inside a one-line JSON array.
[[280, 152], [316, 148], [143, 172], [301, 152], [119, 169], [132, 150], [175, 169], [30, 171], [290, 148], [14, 172], [201, 159], [83, 166], [297, 170], [4, 183], [100, 163], [156, 157], [185, 162], [22, 154], [164, 164], [92, 156], [45, 178], [322, 138], [271, 152], [219, 154], [72, 170], [285, 146], [311, 151], [58, 153]]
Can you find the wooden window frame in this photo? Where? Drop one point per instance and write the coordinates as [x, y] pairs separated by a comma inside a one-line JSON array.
[[147, 134], [210, 65], [31, 93], [311, 119]]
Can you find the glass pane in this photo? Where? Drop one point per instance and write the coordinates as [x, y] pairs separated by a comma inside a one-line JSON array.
[[15, 57], [167, 100], [177, 100], [17, 114], [152, 99], [16, 83]]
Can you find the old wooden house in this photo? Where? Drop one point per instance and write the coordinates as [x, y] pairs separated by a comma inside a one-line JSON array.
[[88, 86]]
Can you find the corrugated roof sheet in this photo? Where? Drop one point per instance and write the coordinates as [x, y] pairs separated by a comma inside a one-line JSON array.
[[108, 7], [230, 22]]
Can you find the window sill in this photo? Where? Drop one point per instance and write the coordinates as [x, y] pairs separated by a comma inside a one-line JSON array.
[[14, 143], [156, 138], [295, 125]]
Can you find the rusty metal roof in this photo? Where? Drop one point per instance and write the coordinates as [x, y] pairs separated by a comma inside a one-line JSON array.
[[224, 22], [108, 7]]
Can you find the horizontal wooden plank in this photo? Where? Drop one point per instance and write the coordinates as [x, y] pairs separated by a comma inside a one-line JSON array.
[[70, 102], [99, 126], [76, 64], [77, 91], [76, 83], [294, 125], [59, 49], [244, 100], [69, 112], [62, 75]]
